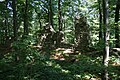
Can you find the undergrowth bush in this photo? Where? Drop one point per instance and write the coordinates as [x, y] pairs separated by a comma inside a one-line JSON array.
[[32, 65]]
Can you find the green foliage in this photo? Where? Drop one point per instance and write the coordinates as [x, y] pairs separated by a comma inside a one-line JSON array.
[[22, 49], [31, 64], [87, 67]]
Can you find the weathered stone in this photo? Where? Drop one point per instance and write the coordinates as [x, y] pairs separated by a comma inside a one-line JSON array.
[[48, 38], [81, 33]]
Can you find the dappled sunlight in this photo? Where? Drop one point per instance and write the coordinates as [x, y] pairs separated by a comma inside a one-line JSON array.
[[59, 40]]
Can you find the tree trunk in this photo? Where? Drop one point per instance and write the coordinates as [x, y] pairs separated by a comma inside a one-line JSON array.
[[59, 33], [100, 21], [50, 13], [106, 39], [26, 18], [59, 16], [6, 23], [15, 24], [117, 31], [14, 18]]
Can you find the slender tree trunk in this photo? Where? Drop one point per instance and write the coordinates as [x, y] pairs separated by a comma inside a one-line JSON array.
[[59, 16], [64, 25], [117, 31], [14, 18], [59, 33], [6, 29], [15, 24], [100, 21], [26, 18], [6, 22], [106, 38], [50, 13]]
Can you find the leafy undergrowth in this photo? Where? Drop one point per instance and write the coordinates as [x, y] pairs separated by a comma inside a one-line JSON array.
[[85, 68], [33, 65]]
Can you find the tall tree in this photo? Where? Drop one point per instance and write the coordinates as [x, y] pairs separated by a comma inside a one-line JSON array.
[[100, 20], [6, 20], [26, 18], [59, 16], [117, 31], [50, 13], [106, 38], [14, 3]]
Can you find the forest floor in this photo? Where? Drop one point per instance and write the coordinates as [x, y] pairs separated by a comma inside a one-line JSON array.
[[62, 65]]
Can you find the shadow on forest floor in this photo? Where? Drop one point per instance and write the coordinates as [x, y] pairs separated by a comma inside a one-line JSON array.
[[33, 66], [86, 68]]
